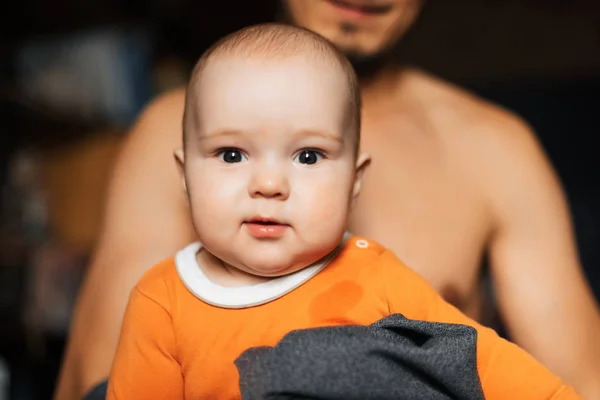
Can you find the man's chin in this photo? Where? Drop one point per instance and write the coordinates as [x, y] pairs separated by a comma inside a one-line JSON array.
[[366, 65]]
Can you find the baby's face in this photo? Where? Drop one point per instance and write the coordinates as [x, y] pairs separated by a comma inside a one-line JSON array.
[[269, 166]]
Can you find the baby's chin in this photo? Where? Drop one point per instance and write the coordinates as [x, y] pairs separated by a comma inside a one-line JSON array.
[[270, 268], [273, 261]]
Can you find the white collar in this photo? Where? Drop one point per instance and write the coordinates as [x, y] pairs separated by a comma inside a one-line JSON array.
[[203, 288]]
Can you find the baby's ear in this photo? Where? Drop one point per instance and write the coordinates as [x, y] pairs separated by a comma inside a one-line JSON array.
[[362, 163], [180, 160]]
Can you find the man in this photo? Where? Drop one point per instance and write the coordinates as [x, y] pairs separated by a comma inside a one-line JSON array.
[[452, 177]]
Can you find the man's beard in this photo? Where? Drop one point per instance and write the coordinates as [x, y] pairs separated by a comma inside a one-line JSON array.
[[366, 65]]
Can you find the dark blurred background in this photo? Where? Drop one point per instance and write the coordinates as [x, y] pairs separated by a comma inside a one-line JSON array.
[[75, 74]]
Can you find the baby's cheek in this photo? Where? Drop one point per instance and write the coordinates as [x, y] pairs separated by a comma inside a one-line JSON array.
[[220, 187], [211, 199], [327, 204]]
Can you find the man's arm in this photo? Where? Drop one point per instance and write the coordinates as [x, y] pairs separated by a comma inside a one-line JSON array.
[[540, 287], [145, 220]]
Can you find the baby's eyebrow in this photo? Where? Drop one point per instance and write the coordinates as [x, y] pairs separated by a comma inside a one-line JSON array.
[[302, 134], [320, 134], [220, 133]]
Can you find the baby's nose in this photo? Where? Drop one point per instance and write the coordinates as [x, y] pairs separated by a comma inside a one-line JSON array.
[[270, 182]]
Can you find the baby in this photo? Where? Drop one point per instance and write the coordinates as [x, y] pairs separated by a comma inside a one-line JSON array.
[[271, 167]]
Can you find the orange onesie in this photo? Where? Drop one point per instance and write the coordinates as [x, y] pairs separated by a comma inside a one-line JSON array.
[[182, 333]]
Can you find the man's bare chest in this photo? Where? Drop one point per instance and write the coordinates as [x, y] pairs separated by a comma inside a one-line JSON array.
[[417, 202]]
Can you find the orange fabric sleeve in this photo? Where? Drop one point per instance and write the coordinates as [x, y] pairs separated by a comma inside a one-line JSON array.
[[505, 370], [145, 366]]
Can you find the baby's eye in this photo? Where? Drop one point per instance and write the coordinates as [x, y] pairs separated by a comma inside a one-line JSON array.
[[232, 156], [309, 157]]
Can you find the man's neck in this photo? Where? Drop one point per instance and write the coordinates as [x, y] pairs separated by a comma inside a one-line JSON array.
[[382, 85]]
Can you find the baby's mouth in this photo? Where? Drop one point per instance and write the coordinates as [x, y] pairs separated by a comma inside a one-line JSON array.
[[265, 228], [264, 221]]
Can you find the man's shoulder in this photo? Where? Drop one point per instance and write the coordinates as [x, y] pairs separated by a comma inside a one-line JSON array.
[[157, 131], [165, 108], [492, 147], [463, 111], [161, 119], [171, 100], [484, 136]]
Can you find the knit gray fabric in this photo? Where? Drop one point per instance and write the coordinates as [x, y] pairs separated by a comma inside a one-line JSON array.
[[394, 358]]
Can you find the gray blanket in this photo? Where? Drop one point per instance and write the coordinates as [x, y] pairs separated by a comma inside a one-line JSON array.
[[394, 358]]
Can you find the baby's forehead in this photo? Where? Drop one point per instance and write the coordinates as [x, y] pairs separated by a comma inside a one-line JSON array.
[[257, 89], [290, 81], [229, 69]]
